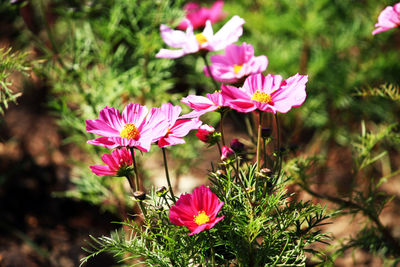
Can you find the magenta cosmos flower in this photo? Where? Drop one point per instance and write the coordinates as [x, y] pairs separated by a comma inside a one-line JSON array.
[[177, 128], [202, 105], [116, 164], [388, 19], [267, 93], [188, 42], [238, 62], [197, 211], [132, 129], [198, 15]]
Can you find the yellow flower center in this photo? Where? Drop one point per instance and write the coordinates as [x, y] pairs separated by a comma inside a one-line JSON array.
[[130, 132], [262, 97], [201, 39], [237, 68], [202, 218]]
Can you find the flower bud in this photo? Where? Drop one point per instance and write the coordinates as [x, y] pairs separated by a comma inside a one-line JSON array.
[[162, 191], [159, 209], [266, 132], [220, 173], [227, 153], [205, 133], [237, 146], [139, 195], [266, 172]]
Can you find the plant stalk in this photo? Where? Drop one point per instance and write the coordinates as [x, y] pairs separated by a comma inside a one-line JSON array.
[[204, 56], [167, 175], [137, 188], [258, 154]]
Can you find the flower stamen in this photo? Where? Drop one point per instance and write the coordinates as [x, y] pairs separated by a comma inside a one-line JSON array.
[[201, 39], [130, 132], [202, 218], [262, 97], [237, 68]]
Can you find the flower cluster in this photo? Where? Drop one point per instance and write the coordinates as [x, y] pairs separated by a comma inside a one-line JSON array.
[[138, 128]]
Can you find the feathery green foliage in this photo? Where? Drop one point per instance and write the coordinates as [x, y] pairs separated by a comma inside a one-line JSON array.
[[10, 62]]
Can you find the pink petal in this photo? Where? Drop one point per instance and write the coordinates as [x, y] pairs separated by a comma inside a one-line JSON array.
[[134, 113], [101, 170], [227, 35], [172, 38], [167, 53], [103, 141]]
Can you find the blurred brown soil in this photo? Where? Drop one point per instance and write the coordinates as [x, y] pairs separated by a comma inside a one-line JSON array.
[[37, 228]]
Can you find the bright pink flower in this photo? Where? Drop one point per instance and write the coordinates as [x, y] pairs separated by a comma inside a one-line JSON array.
[[116, 163], [132, 129], [238, 62], [202, 105], [187, 42], [197, 211], [226, 153], [267, 93], [205, 133], [388, 19], [198, 15], [177, 128]]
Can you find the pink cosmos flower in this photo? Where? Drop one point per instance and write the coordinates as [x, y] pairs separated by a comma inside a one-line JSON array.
[[198, 15], [238, 62], [226, 153], [188, 42], [197, 211], [388, 19], [116, 163], [202, 105], [177, 128], [267, 93], [132, 129], [205, 133]]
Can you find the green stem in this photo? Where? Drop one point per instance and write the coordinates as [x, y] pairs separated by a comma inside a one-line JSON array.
[[249, 127], [259, 140], [212, 249], [142, 207], [167, 175], [130, 180], [223, 113], [204, 56], [278, 141], [135, 169], [219, 149], [258, 154]]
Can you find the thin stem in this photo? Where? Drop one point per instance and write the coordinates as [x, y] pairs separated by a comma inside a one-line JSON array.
[[130, 180], [223, 113], [258, 154], [167, 175], [236, 168], [143, 209], [259, 140], [219, 149], [278, 141], [204, 56], [135, 169], [166, 201], [249, 127], [212, 249]]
